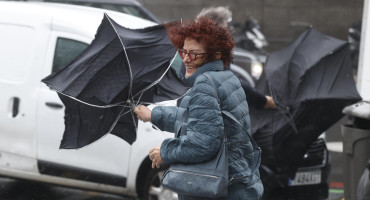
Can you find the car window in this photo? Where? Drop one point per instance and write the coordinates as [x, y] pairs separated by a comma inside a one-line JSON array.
[[65, 51]]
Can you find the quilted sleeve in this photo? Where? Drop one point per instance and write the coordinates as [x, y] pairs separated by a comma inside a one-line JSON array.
[[164, 117]]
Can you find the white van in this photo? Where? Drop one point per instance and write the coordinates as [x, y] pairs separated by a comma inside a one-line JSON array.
[[35, 40]]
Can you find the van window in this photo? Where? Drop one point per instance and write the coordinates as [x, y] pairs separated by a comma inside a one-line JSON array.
[[16, 50], [65, 51]]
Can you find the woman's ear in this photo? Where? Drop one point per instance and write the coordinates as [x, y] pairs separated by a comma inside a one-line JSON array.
[[218, 55]]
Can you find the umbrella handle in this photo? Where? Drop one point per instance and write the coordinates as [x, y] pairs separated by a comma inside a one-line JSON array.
[[285, 110], [278, 105]]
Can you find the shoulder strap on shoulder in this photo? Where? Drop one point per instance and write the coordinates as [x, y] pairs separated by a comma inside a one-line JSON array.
[[228, 114], [210, 78]]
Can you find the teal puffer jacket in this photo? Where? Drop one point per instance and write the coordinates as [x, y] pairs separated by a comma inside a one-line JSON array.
[[202, 132]]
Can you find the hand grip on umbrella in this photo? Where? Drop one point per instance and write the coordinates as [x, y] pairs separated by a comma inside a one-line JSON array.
[[143, 113], [278, 105], [285, 110]]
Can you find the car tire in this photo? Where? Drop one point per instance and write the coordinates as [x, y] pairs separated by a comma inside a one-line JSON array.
[[153, 189]]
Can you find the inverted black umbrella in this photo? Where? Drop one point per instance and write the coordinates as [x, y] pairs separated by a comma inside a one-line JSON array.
[[311, 82], [120, 69]]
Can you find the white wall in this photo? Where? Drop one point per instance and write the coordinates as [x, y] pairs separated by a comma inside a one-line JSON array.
[[363, 75]]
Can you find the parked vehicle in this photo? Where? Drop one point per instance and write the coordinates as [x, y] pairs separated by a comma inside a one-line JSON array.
[[249, 36], [250, 62], [310, 180], [354, 38]]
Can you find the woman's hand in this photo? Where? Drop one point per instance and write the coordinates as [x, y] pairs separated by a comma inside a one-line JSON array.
[[143, 113], [155, 156], [270, 103]]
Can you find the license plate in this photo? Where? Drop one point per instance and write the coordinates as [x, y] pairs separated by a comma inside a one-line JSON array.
[[306, 178]]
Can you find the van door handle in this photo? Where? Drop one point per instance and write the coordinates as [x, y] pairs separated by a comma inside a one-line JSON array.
[[15, 108], [54, 105]]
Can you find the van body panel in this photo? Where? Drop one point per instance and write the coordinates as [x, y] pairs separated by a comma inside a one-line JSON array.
[[23, 45]]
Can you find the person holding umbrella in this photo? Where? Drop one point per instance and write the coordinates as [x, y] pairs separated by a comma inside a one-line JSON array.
[[222, 16], [206, 47]]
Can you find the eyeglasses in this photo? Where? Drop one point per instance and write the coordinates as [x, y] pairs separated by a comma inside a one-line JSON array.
[[191, 54]]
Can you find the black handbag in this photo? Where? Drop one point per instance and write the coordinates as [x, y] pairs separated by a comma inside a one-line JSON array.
[[206, 179]]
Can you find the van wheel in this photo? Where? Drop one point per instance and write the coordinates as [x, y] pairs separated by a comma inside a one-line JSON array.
[[153, 189]]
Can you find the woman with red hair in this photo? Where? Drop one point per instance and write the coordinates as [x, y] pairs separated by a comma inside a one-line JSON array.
[[206, 48]]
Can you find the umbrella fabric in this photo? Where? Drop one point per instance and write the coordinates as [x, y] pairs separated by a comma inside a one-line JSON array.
[[86, 124], [311, 81], [121, 68]]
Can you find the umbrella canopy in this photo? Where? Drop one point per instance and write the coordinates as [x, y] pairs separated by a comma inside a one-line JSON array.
[[121, 68], [311, 82]]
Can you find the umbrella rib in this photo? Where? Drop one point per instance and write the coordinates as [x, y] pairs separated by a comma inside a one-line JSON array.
[[129, 66], [124, 50], [89, 104], [132, 107], [281, 107], [295, 52], [116, 120], [143, 102], [133, 118], [155, 82], [285, 107]]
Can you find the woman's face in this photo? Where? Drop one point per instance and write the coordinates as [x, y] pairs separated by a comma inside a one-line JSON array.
[[196, 58]]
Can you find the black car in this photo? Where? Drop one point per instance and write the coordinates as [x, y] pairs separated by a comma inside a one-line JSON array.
[[310, 181]]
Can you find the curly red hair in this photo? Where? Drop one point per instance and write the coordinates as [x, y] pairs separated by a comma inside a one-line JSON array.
[[207, 31]]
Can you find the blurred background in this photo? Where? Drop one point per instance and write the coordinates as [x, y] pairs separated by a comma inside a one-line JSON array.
[[280, 21]]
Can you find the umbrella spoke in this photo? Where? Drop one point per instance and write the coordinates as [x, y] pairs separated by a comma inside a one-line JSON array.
[[133, 118], [157, 81], [90, 104], [124, 50], [116, 120]]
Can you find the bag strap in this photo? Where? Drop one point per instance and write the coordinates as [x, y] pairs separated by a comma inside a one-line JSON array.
[[228, 114], [256, 148]]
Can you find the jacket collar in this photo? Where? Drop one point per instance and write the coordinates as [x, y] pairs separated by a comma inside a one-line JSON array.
[[210, 66]]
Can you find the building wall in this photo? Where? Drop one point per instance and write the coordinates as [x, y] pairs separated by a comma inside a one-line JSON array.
[[280, 20]]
